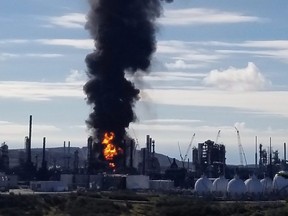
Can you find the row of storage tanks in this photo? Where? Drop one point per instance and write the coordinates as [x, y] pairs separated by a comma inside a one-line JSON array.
[[237, 187]]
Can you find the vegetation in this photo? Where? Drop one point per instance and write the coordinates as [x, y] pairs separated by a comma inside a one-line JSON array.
[[131, 203]]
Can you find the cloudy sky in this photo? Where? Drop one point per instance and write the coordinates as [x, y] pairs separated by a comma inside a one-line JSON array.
[[219, 64]]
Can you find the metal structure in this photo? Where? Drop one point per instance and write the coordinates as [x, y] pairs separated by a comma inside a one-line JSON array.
[[217, 137], [189, 147], [241, 150]]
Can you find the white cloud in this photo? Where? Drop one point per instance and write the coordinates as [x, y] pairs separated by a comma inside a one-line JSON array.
[[269, 102], [243, 79], [76, 43], [6, 56], [170, 121], [76, 76], [276, 49], [40, 90], [172, 76], [186, 51], [71, 20], [181, 64], [13, 41], [200, 16]]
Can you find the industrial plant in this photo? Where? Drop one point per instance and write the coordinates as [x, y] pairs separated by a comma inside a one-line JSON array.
[[69, 168]]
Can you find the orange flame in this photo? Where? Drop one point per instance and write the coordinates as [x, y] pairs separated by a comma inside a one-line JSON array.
[[110, 150]]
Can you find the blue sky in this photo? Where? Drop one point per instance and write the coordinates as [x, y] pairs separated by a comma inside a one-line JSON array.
[[218, 64]]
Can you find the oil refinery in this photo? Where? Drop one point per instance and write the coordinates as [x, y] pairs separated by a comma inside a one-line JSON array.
[[103, 166]]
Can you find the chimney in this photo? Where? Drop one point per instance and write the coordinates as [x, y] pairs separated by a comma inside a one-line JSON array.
[[150, 146], [64, 147], [270, 154], [285, 152], [256, 149], [147, 143], [153, 148], [90, 153], [43, 153], [68, 156], [29, 141]]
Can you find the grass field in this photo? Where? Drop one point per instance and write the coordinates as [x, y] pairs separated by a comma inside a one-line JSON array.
[[130, 203]]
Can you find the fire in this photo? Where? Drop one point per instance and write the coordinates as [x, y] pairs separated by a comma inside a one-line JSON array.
[[110, 150]]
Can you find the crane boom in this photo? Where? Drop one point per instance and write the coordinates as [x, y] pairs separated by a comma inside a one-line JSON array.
[[241, 150], [217, 137], [180, 152], [189, 147]]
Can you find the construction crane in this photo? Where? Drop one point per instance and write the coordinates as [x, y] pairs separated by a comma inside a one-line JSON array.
[[189, 147], [241, 150], [217, 137], [180, 152]]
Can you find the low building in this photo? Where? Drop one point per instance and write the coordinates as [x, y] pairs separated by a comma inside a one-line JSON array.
[[48, 186]]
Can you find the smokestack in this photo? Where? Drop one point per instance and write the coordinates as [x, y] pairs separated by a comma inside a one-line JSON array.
[[147, 143], [29, 141], [285, 152], [90, 153], [64, 147], [150, 146], [270, 154], [256, 149], [43, 153], [153, 148], [68, 156]]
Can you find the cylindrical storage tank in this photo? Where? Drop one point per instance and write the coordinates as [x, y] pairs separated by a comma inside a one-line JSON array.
[[203, 186], [219, 186], [236, 187], [267, 185], [253, 186], [280, 182]]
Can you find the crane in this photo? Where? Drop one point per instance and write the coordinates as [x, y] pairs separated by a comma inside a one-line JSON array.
[[189, 147], [217, 137], [180, 152], [241, 150]]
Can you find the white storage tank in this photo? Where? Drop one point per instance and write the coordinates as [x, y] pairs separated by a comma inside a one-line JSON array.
[[236, 187], [253, 185], [220, 185], [267, 184], [203, 186], [280, 181]]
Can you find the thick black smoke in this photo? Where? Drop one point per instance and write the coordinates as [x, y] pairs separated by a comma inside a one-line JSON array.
[[124, 35]]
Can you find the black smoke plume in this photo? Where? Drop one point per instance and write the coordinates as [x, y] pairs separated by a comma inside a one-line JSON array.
[[124, 36]]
